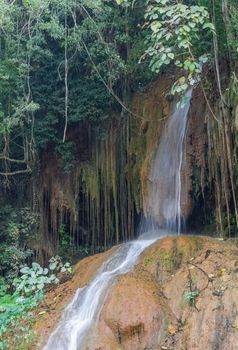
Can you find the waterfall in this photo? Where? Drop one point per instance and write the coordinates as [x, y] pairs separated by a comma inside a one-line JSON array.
[[165, 185], [82, 313]]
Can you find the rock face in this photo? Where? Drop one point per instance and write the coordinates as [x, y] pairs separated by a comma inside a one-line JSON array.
[[133, 312], [112, 178], [194, 163], [57, 299], [181, 295]]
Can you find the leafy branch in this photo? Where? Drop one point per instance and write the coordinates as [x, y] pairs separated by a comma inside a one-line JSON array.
[[173, 30]]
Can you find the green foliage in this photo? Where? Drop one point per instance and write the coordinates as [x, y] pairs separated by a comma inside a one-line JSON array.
[[233, 27], [230, 230], [19, 299], [166, 260], [102, 44], [22, 287], [178, 35], [32, 66], [191, 296], [148, 260], [15, 311], [64, 237], [12, 312], [56, 265], [68, 250], [175, 29], [33, 280], [16, 230], [66, 152]]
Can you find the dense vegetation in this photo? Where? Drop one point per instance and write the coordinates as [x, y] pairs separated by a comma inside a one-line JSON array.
[[71, 184]]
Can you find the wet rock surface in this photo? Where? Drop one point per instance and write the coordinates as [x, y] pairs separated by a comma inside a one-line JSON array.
[[134, 313], [181, 295]]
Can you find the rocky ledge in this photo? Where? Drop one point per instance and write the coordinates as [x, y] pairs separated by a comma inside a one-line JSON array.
[[181, 295]]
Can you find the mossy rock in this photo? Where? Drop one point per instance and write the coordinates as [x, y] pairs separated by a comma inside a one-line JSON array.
[[164, 257]]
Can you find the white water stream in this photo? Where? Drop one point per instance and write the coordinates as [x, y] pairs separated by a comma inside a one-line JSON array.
[[165, 186], [82, 313]]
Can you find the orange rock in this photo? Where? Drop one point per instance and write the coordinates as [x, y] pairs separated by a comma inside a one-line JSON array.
[[146, 309]]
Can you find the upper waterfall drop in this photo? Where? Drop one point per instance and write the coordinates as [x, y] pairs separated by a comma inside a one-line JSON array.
[[165, 183], [81, 315]]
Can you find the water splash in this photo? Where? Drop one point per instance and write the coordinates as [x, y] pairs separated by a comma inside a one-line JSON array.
[[82, 313]]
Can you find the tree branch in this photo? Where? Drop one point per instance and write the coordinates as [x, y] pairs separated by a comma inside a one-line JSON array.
[[17, 161], [16, 172]]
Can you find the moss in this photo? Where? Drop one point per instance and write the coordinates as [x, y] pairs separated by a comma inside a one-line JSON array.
[[194, 278], [182, 303], [198, 244], [181, 250], [98, 199], [148, 260], [119, 296], [90, 180], [165, 261]]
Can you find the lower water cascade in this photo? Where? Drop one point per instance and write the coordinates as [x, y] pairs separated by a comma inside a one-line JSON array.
[[81, 315]]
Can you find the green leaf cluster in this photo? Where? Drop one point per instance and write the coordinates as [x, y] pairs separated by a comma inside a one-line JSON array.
[[191, 296], [174, 29], [21, 296], [33, 279]]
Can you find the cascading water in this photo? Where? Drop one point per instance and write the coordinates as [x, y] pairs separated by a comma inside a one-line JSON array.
[[165, 195], [165, 186], [82, 312]]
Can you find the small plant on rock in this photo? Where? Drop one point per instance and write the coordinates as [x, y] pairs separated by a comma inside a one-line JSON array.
[[191, 296]]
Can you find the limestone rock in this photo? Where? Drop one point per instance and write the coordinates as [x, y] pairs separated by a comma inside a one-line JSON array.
[[181, 295]]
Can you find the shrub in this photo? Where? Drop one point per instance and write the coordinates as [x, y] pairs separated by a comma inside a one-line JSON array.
[[33, 279]]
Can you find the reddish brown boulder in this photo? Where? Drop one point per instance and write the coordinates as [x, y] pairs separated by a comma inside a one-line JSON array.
[[147, 309], [181, 295], [135, 313]]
